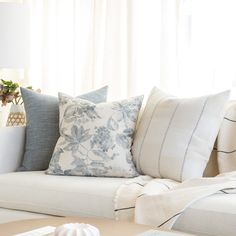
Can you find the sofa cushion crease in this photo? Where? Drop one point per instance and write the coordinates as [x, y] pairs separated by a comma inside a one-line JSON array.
[[8, 215], [57, 212]]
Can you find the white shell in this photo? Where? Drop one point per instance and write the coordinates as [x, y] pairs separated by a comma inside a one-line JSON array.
[[76, 229]]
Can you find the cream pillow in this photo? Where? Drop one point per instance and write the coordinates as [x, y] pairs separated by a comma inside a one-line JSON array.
[[175, 137], [95, 139]]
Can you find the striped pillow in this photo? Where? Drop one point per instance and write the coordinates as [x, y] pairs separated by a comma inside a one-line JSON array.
[[175, 137]]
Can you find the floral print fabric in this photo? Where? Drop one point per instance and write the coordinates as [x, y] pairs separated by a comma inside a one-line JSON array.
[[95, 139]]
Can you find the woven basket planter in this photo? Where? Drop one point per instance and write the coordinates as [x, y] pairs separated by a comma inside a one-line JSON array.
[[16, 116]]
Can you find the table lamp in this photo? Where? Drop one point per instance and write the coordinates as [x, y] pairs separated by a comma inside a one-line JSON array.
[[14, 40]]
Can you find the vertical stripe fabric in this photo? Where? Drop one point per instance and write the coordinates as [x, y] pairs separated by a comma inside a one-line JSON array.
[[175, 137], [226, 142]]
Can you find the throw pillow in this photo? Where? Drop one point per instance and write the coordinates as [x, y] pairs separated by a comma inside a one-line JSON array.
[[42, 131], [95, 138], [175, 137]]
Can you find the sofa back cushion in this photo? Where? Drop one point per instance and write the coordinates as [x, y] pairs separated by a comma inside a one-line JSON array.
[[212, 168], [226, 141], [175, 137], [42, 129]]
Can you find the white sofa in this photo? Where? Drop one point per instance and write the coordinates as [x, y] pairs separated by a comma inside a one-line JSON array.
[[26, 195]]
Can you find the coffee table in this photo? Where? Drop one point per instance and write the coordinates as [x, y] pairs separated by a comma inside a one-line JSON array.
[[105, 226]]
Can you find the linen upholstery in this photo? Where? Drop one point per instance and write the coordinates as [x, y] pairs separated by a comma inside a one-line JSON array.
[[165, 208], [11, 151], [212, 169], [42, 130], [214, 215], [95, 138], [226, 142], [175, 137], [59, 195]]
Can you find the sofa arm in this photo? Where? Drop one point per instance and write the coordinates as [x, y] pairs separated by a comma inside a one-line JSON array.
[[12, 140]]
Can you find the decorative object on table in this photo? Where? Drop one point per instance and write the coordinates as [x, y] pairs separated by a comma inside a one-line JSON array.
[[76, 229], [10, 93]]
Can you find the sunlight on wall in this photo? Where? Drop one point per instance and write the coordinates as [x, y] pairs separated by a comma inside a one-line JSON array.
[[16, 75]]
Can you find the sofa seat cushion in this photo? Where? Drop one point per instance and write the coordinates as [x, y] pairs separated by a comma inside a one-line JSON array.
[[213, 215], [59, 195]]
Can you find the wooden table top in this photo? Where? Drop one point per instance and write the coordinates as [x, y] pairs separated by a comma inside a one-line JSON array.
[[105, 226]]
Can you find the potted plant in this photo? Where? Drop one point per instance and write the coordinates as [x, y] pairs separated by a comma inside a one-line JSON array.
[[10, 93]]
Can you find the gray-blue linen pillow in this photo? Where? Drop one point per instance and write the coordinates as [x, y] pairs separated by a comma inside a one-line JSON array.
[[42, 129]]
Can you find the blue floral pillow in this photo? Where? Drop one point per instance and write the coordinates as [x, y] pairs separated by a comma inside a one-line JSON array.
[[95, 139]]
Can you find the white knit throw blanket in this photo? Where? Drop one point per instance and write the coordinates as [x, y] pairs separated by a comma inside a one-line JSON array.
[[159, 202]]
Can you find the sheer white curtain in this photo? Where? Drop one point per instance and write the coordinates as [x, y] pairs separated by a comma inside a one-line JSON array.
[[78, 45], [186, 47]]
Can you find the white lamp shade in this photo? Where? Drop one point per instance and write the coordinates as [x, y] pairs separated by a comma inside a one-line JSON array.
[[14, 35]]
